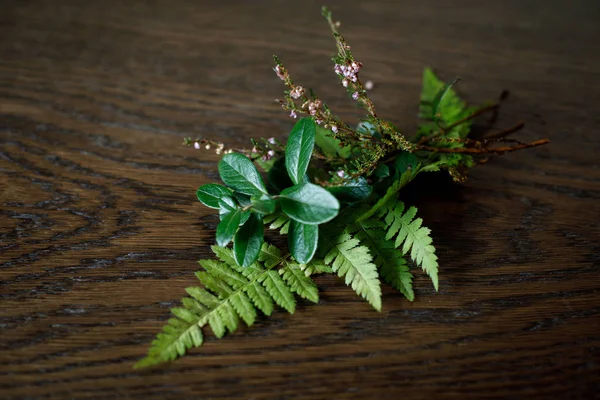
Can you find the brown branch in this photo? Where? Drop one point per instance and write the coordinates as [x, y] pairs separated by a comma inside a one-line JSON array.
[[484, 150], [505, 132]]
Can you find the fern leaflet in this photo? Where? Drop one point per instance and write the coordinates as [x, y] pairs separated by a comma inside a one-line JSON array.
[[389, 260], [413, 238], [229, 293], [353, 262]]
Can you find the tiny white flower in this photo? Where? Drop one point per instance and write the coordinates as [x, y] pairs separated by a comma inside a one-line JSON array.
[[270, 153], [271, 140], [345, 82], [334, 128], [355, 95], [293, 114], [207, 147], [197, 146], [369, 85], [341, 173]]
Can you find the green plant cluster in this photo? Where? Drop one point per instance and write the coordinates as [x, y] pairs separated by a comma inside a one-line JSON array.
[[333, 190]]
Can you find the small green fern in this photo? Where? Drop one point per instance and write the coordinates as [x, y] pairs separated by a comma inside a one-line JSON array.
[[230, 293], [390, 261], [353, 262], [413, 238]]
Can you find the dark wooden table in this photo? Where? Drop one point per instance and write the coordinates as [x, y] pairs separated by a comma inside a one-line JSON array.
[[100, 227]]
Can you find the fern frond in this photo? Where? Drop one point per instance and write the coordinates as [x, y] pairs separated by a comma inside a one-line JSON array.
[[353, 262], [299, 282], [315, 266], [389, 260], [413, 238], [229, 293]]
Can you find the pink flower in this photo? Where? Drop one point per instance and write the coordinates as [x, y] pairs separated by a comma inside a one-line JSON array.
[[334, 128], [270, 153], [280, 71], [197, 146], [293, 114], [341, 173], [271, 140], [319, 121], [345, 82], [355, 95], [297, 92]]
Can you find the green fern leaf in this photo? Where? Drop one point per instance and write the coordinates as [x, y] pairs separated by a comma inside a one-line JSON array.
[[230, 293], [278, 290], [315, 266], [389, 260], [299, 282], [353, 262], [413, 238]]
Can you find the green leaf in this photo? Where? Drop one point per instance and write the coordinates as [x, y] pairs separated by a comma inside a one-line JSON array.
[[210, 194], [309, 204], [330, 146], [239, 173], [299, 149], [367, 128], [228, 226], [300, 283], [278, 290], [440, 99], [248, 241], [353, 191], [263, 204], [405, 161], [413, 238], [228, 206], [389, 260], [303, 240], [353, 262], [278, 177], [441, 94]]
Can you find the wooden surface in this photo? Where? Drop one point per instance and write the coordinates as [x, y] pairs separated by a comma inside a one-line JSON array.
[[100, 227]]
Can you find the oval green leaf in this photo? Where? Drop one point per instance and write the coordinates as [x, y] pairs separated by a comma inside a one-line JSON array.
[[227, 206], [303, 240], [248, 241], [353, 191], [228, 226], [210, 194], [263, 204], [309, 204], [299, 149], [239, 173]]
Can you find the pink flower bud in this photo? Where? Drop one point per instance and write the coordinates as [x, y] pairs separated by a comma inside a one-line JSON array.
[[355, 95], [334, 128], [345, 82], [270, 153], [293, 114], [341, 173], [197, 146], [271, 140], [319, 121]]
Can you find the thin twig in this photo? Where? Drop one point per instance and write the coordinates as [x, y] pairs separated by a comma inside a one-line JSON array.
[[484, 150]]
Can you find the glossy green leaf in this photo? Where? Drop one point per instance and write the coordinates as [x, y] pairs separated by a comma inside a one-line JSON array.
[[239, 173], [263, 204], [309, 204], [242, 199], [227, 206], [353, 191], [210, 194], [278, 177], [299, 149], [405, 161], [303, 240], [228, 226], [248, 241]]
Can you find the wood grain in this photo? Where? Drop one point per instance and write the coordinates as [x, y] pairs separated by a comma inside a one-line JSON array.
[[100, 229]]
